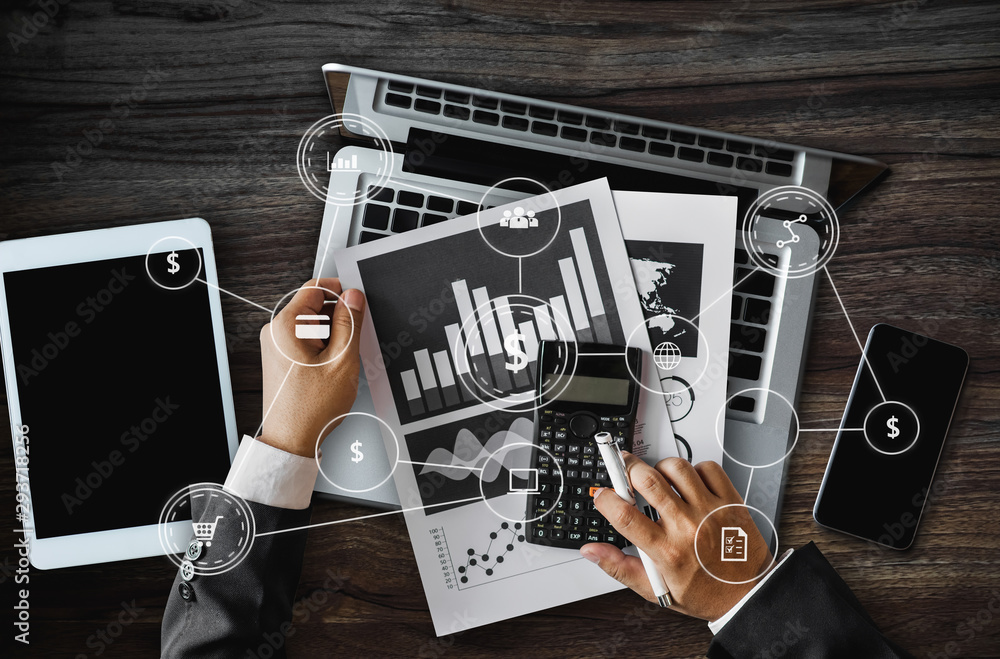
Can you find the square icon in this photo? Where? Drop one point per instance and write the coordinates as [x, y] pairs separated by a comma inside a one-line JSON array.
[[527, 480]]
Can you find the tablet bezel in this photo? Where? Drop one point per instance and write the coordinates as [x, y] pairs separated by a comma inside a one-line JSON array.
[[82, 247]]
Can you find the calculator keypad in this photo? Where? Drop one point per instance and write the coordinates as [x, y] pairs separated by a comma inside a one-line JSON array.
[[568, 441]]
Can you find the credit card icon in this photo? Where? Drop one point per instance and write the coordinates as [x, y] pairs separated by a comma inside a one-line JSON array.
[[312, 326]]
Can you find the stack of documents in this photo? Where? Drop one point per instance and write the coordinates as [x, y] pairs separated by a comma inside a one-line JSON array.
[[646, 270]]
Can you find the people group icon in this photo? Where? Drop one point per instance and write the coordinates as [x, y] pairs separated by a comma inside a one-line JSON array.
[[519, 219]]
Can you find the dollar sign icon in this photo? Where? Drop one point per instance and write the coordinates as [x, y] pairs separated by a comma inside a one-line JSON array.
[[172, 260], [356, 449], [513, 344], [891, 425]]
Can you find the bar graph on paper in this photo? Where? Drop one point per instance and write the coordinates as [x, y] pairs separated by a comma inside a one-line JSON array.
[[438, 380]]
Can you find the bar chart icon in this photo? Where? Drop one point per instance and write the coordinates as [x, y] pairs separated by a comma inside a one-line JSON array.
[[342, 164], [487, 349]]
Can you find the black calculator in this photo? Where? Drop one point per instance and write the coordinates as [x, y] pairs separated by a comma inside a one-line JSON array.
[[595, 390]]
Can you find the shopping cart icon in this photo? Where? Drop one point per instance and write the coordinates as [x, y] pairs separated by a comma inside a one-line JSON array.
[[205, 531]]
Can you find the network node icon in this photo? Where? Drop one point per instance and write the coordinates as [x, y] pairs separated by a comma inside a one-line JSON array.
[[667, 356]]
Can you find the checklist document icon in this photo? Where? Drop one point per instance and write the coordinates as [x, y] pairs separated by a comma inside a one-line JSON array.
[[734, 544]]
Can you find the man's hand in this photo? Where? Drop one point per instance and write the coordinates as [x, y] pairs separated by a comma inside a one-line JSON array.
[[299, 400], [683, 495]]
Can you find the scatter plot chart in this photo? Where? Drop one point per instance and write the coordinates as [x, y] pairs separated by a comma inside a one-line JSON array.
[[502, 542]]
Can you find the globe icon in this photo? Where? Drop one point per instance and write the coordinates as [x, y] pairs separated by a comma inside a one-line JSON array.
[[667, 356]]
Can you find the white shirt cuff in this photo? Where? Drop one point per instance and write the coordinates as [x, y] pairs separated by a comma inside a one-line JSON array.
[[717, 625], [265, 474]]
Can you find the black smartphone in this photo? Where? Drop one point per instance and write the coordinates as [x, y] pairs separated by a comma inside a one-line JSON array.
[[891, 436]]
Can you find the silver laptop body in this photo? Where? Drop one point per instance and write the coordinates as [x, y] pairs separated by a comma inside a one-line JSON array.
[[455, 142]]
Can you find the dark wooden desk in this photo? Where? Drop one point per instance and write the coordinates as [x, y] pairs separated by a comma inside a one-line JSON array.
[[222, 90]]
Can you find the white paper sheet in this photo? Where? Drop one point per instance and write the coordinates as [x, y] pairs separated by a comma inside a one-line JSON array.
[[475, 566], [681, 250]]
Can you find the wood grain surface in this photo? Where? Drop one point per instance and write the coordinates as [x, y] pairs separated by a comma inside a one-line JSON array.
[[220, 92]]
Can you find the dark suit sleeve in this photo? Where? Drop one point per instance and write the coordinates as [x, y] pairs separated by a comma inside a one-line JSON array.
[[250, 606], [803, 610]]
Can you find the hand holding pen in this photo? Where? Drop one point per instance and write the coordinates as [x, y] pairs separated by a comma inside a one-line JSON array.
[[684, 496], [615, 464]]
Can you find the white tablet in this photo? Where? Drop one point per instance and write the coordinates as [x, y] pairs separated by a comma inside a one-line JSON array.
[[117, 381]]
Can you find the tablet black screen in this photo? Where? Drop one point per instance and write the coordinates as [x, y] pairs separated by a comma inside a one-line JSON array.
[[118, 383]]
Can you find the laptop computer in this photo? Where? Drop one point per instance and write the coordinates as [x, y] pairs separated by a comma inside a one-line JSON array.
[[453, 143]]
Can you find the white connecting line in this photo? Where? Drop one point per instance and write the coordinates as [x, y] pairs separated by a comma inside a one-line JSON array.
[[222, 290], [731, 289], [851, 325], [360, 517], [432, 464]]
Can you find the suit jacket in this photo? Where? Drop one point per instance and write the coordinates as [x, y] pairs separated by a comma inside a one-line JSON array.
[[245, 612], [803, 610]]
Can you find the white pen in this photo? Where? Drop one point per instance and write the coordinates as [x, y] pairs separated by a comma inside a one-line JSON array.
[[615, 464]]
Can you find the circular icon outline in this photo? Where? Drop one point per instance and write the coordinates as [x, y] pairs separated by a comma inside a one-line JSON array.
[[916, 435], [548, 191], [774, 555], [149, 273], [335, 122], [684, 386], [218, 491], [491, 456], [644, 323], [322, 435], [722, 444], [274, 313], [537, 397], [776, 194]]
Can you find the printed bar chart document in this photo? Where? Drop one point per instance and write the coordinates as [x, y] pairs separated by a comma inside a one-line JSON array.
[[455, 313]]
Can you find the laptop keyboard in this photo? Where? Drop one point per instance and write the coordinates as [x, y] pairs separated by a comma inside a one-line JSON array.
[[750, 323], [601, 131], [391, 211]]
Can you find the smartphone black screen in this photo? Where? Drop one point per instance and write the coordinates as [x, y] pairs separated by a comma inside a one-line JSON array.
[[893, 431]]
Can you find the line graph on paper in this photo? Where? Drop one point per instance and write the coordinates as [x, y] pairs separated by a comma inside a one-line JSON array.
[[478, 564]]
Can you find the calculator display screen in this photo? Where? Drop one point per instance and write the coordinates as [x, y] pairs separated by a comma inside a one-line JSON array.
[[587, 389]]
